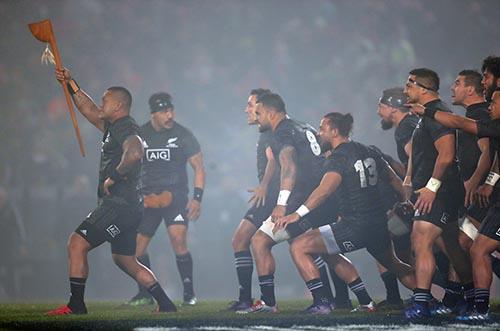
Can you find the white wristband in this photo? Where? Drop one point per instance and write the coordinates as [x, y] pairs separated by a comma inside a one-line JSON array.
[[283, 197], [433, 184], [492, 178], [302, 210]]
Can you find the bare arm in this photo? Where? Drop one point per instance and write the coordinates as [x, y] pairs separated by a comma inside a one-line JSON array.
[[288, 168], [287, 180], [407, 181], [84, 103], [270, 168], [448, 120], [132, 154], [260, 192], [194, 205], [445, 146], [196, 162], [328, 185], [483, 165], [396, 182]]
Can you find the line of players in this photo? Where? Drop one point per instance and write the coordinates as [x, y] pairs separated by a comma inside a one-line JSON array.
[[335, 195]]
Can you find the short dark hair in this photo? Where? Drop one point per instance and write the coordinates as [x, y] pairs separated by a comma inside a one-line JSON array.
[[259, 91], [123, 95], [473, 78], [342, 122], [272, 100], [492, 64], [427, 77]]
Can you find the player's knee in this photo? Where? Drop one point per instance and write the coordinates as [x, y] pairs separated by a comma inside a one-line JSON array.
[[259, 242], [465, 242], [76, 244], [240, 242]]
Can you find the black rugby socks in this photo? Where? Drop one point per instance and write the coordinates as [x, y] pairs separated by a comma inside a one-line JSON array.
[[323, 271], [164, 302], [76, 302], [266, 283], [244, 269], [391, 287], [185, 266], [358, 288]]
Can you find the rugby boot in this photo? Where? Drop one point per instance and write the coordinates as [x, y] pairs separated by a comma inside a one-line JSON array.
[[190, 300], [140, 300], [259, 307], [369, 308], [474, 316], [390, 305], [417, 312], [318, 308], [238, 305], [66, 310]]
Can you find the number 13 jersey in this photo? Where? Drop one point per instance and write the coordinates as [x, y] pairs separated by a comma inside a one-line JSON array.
[[362, 169]]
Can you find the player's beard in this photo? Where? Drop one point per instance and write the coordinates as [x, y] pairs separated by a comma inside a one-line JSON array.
[[386, 125], [489, 92], [325, 146]]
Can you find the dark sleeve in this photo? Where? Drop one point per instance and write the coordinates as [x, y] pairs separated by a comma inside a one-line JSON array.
[[284, 137], [488, 128], [192, 146], [337, 163], [403, 135], [437, 130], [124, 129]]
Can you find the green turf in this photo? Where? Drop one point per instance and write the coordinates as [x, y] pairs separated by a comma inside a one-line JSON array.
[[106, 315]]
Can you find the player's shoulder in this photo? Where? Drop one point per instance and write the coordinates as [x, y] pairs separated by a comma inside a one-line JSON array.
[[182, 130]]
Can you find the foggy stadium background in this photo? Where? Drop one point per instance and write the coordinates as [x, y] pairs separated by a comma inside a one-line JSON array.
[[321, 56]]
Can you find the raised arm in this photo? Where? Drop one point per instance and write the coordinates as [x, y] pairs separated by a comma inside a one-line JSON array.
[[84, 103]]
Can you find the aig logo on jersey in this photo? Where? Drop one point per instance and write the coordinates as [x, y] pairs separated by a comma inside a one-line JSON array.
[[158, 154]]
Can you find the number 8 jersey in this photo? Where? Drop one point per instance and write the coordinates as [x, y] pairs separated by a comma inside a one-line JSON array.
[[302, 137], [362, 169]]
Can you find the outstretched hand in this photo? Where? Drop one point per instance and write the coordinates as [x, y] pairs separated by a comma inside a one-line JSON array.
[[416, 108]]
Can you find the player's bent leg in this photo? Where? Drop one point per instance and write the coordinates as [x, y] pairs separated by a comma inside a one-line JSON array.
[[404, 272], [243, 236], [78, 248], [146, 278], [262, 243], [458, 257], [141, 253]]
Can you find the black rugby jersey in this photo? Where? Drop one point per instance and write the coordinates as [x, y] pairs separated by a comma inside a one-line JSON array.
[[468, 151], [166, 154], [111, 154], [403, 134], [389, 195], [302, 137], [363, 171], [263, 143], [424, 153]]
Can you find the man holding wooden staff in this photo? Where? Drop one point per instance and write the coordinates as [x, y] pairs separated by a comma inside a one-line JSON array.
[[119, 209]]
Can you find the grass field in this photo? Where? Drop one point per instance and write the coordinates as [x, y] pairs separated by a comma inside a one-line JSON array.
[[208, 316]]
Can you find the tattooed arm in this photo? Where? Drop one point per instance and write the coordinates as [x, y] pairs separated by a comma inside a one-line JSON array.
[[132, 154], [84, 103]]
